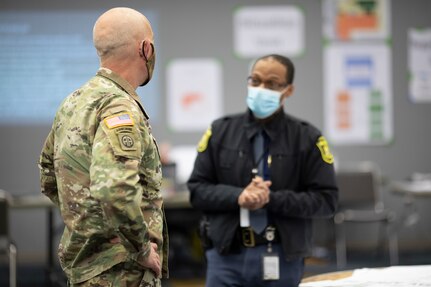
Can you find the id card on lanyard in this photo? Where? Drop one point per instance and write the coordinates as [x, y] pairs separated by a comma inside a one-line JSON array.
[[270, 260]]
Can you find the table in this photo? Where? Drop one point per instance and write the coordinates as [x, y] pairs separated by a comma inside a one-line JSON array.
[[411, 190], [328, 276]]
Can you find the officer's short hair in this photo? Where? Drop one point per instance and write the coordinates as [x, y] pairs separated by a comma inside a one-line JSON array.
[[285, 61]]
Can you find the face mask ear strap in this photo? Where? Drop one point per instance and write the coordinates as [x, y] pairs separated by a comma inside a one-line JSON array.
[[143, 50]]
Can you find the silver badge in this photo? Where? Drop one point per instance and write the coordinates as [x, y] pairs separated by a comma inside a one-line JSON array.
[[270, 234]]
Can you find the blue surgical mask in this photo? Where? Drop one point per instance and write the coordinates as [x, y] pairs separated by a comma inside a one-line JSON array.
[[263, 102]]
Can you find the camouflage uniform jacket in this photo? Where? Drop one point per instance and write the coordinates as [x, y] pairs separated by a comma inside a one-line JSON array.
[[101, 166]]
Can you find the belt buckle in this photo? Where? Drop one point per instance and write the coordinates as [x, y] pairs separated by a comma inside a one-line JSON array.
[[248, 237]]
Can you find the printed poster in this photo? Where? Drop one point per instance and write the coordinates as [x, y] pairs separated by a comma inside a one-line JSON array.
[[194, 94], [419, 58], [356, 19], [261, 30], [358, 93]]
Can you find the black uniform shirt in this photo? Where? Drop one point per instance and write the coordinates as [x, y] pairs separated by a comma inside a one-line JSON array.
[[302, 174]]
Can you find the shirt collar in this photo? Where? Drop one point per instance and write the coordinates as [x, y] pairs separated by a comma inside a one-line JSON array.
[[271, 125], [123, 84]]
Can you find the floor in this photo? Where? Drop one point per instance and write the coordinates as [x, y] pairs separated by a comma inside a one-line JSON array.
[[34, 276]]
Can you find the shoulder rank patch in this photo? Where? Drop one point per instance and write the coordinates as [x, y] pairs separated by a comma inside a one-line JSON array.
[[203, 143], [322, 144], [119, 120]]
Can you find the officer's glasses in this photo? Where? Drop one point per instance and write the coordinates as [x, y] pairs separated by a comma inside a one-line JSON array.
[[270, 84]]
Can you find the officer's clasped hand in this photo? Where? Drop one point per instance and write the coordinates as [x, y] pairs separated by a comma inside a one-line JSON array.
[[255, 195]]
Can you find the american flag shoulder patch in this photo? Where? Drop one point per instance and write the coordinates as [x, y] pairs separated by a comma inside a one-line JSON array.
[[119, 120]]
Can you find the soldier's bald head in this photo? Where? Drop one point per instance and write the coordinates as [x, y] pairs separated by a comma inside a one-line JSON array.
[[117, 31]]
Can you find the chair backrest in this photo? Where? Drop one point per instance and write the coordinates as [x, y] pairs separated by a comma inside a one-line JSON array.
[[4, 213], [359, 186]]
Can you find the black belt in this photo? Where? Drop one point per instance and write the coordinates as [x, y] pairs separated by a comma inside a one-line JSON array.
[[249, 238]]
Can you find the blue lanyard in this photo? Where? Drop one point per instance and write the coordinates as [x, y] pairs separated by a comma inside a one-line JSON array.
[[255, 170]]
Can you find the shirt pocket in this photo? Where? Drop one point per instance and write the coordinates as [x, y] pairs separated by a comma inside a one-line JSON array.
[[284, 171], [228, 157], [234, 167]]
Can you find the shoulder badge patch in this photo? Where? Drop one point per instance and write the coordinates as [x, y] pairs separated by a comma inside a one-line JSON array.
[[322, 144], [203, 143], [119, 120], [127, 141]]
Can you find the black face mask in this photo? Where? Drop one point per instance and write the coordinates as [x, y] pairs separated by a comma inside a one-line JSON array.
[[150, 63]]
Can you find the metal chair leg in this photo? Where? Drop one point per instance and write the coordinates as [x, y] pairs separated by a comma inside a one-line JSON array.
[[340, 246], [392, 244], [12, 265]]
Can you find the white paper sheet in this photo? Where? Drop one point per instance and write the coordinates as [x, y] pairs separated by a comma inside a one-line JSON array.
[[399, 276], [420, 65]]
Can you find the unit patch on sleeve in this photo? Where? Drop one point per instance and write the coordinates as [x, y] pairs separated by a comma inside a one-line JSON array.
[[127, 141], [203, 143], [119, 120], [327, 156]]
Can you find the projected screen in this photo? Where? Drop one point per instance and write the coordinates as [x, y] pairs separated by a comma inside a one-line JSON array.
[[45, 56]]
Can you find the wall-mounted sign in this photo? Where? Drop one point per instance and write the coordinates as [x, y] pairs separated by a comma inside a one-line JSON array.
[[419, 58], [358, 93], [261, 30], [356, 20], [194, 93]]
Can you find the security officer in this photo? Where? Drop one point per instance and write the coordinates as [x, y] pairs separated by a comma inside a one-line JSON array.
[[260, 178], [101, 167]]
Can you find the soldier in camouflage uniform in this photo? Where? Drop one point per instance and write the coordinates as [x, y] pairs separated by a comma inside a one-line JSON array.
[[101, 166]]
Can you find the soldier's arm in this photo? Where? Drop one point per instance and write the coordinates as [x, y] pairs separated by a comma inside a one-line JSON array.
[[48, 181], [114, 175]]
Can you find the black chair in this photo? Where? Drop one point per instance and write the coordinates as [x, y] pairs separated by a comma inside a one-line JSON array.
[[6, 245], [360, 201]]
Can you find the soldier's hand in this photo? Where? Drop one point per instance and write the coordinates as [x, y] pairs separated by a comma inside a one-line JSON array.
[[255, 195], [153, 260], [115, 240]]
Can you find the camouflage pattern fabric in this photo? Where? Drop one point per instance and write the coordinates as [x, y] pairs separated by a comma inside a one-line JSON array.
[[101, 166], [122, 275]]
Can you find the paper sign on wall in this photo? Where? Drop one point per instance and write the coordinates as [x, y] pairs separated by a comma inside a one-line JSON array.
[[261, 30], [358, 94], [420, 65], [354, 20], [194, 94]]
